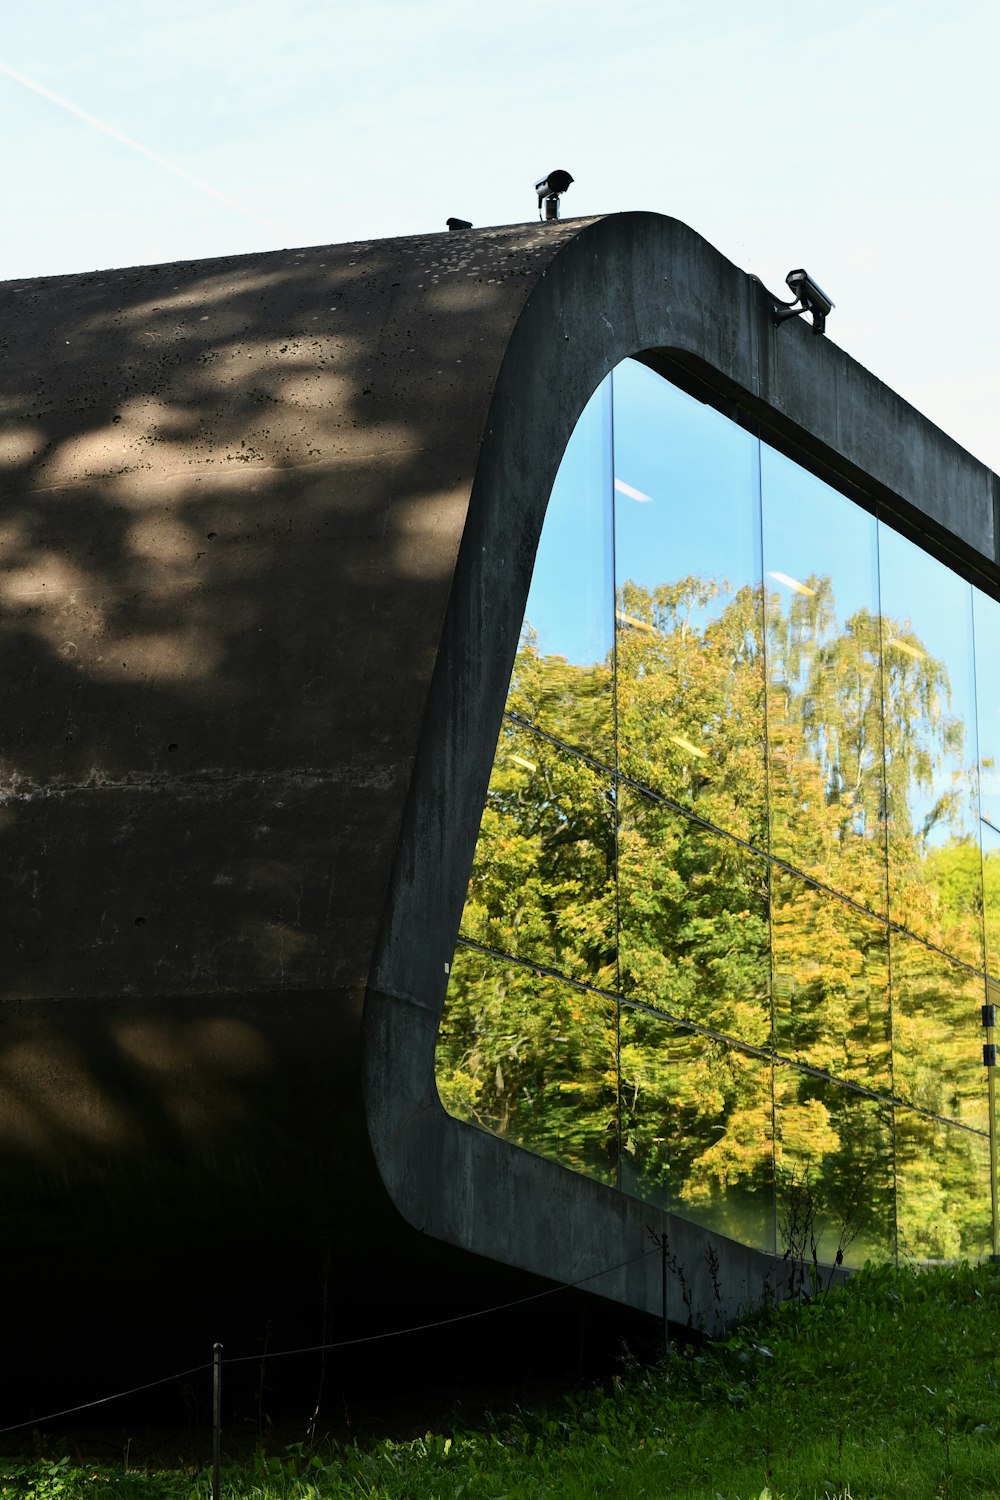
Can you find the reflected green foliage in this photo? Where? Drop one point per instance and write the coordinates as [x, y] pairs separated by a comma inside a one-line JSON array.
[[935, 881], [693, 921], [942, 1190], [708, 932], [691, 699], [825, 743], [830, 984], [542, 885], [696, 1127], [991, 898], [936, 1034], [835, 1170], [573, 703], [952, 888], [531, 1058], [757, 730]]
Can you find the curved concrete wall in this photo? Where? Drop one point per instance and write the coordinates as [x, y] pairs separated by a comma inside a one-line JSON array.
[[233, 494], [268, 529], [636, 284]]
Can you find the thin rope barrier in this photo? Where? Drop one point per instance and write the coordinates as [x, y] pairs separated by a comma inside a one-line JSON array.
[[68, 1411], [371, 1338], [395, 1333]]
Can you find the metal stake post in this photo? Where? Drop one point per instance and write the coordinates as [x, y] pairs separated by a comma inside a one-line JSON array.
[[663, 1293], [661, 1241], [216, 1421]]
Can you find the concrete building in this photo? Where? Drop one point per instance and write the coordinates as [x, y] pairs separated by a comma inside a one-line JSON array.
[[270, 525]]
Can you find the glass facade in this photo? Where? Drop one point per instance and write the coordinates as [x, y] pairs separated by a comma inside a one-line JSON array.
[[735, 902]]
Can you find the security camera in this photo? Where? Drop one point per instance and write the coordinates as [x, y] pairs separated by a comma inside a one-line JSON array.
[[809, 293], [809, 298], [549, 190]]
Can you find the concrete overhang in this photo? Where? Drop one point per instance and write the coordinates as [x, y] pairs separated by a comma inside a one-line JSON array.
[[269, 525]]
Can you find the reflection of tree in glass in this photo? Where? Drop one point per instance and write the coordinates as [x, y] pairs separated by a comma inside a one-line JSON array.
[[838, 1144], [845, 778], [935, 873], [574, 703], [690, 685], [942, 1189], [693, 921], [698, 926], [543, 881], [696, 1127], [936, 1033], [830, 983], [991, 903], [528, 1057], [825, 742]]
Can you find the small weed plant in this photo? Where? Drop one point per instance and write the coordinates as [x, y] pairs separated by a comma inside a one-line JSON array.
[[884, 1389]]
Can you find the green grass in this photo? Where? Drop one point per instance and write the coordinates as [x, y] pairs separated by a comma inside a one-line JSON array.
[[884, 1390]]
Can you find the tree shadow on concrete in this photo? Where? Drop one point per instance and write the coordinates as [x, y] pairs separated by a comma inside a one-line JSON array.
[[232, 498]]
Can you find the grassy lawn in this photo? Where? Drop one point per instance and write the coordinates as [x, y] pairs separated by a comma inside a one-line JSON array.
[[884, 1390]]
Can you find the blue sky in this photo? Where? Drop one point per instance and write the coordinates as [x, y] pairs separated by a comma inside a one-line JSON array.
[[862, 143]]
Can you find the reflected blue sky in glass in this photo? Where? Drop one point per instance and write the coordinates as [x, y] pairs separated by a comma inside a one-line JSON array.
[[986, 616], [813, 532], [686, 488], [687, 573], [571, 603], [929, 686]]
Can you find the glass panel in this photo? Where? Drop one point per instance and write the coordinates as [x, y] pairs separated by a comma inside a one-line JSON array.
[[991, 896], [942, 1190], [687, 563], [883, 808], [833, 1153], [696, 1128], [542, 884], [693, 936], [562, 675], [935, 877], [824, 702], [937, 1033], [532, 1059], [986, 617], [831, 983]]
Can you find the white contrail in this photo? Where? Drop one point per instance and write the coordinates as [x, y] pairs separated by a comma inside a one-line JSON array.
[[81, 114]]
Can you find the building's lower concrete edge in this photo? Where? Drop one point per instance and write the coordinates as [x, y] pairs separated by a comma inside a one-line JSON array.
[[469, 1189]]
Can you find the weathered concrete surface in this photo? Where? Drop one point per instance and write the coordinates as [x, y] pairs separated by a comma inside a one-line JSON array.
[[231, 499], [233, 495], [268, 525]]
